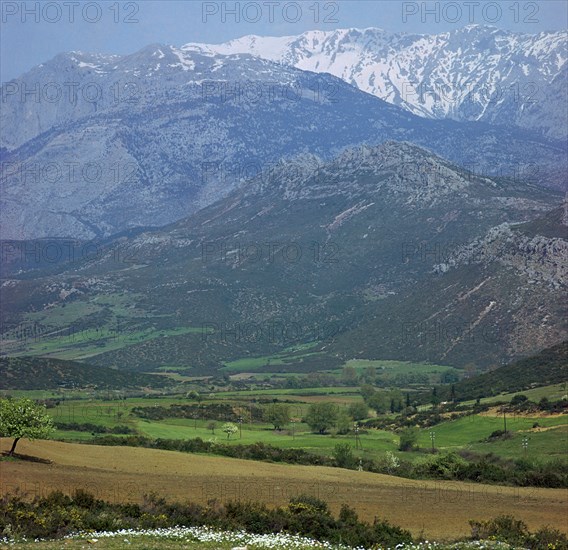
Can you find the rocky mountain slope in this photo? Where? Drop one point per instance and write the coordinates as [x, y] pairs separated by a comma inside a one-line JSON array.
[[118, 142], [504, 291], [366, 255], [474, 73]]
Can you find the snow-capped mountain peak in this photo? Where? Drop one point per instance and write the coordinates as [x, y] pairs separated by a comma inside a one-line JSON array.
[[476, 72]]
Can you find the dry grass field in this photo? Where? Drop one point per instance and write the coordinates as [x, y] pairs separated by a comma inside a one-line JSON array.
[[438, 509]]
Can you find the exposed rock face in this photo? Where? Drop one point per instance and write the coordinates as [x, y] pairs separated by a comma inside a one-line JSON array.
[[382, 252], [472, 73], [103, 144]]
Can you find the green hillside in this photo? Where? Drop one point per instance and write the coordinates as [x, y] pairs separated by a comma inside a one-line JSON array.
[[305, 258], [39, 373], [550, 366]]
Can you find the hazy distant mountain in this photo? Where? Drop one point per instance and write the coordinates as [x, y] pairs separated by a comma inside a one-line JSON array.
[[364, 256], [473, 73], [149, 138]]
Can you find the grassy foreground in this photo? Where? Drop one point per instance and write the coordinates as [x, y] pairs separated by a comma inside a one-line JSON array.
[[122, 474], [151, 543]]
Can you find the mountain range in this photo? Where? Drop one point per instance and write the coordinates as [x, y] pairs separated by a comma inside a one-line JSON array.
[[383, 252], [475, 73], [282, 197], [101, 144]]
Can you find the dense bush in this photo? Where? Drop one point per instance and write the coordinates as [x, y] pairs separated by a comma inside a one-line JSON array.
[[94, 428], [521, 404], [408, 439], [515, 532], [222, 412], [499, 434], [343, 455], [448, 466], [58, 515]]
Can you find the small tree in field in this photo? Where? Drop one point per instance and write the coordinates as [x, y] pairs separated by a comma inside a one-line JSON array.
[[321, 416], [23, 418], [359, 411], [211, 426], [229, 428], [278, 415]]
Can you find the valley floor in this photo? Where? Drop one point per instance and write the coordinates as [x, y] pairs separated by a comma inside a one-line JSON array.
[[435, 509]]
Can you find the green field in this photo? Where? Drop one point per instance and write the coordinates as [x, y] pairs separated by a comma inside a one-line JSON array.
[[397, 367], [94, 341], [63, 336], [469, 433], [553, 392], [547, 441], [287, 356]]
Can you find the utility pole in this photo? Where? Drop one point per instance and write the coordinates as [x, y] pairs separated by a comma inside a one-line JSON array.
[[240, 421], [433, 439], [358, 444]]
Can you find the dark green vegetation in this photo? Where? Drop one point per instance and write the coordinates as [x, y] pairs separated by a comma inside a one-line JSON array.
[[396, 265], [93, 428], [547, 367], [551, 225], [515, 532], [38, 373], [57, 515]]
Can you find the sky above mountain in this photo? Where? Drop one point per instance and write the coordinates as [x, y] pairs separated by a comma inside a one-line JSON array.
[[33, 32]]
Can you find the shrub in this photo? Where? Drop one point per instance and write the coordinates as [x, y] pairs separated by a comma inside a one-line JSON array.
[[519, 399], [309, 501], [449, 466], [503, 528], [83, 499], [547, 537], [408, 439], [499, 434], [513, 531], [311, 516], [343, 455], [390, 535]]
